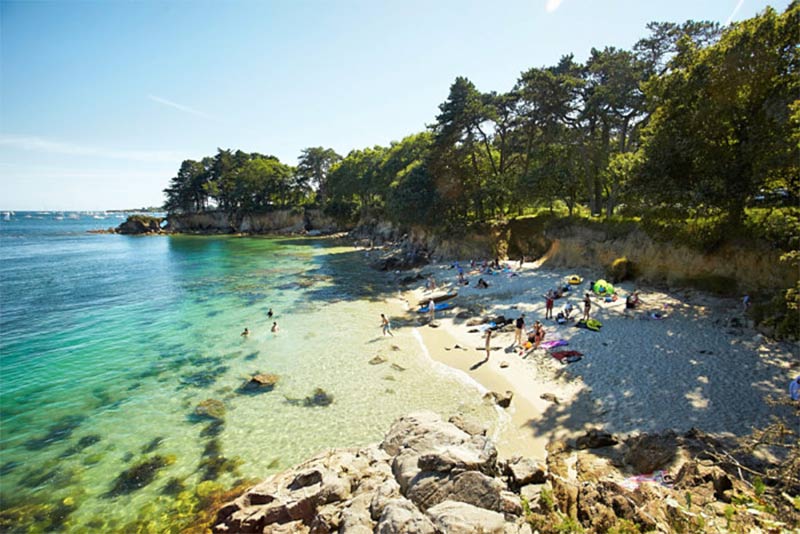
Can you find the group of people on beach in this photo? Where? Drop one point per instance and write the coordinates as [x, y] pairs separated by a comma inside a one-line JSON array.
[[274, 329]]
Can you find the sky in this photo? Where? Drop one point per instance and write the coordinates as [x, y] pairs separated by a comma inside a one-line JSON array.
[[100, 101]]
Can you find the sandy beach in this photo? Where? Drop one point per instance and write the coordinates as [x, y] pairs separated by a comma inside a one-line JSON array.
[[698, 366]]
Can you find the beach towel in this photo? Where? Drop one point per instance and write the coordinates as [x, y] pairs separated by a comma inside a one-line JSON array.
[[553, 344], [567, 356], [487, 326]]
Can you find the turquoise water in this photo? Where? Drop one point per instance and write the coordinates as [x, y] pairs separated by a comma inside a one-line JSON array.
[[108, 343]]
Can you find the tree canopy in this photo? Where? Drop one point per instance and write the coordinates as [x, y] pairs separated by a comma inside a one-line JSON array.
[[694, 118]]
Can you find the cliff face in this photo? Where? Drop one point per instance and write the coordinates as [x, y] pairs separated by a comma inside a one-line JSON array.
[[429, 476], [276, 222], [752, 268]]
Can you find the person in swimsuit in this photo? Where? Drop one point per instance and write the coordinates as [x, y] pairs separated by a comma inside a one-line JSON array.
[[587, 306], [270, 314], [246, 332], [488, 344], [386, 326], [274, 328], [520, 328]]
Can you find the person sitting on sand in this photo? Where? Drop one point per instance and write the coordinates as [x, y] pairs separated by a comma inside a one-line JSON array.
[[538, 334], [632, 300], [567, 311], [246, 332], [274, 328], [482, 284]]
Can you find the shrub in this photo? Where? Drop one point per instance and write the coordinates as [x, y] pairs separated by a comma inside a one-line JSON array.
[[621, 269]]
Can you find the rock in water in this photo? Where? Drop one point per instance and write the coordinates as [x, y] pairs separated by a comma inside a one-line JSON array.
[[211, 409], [319, 398], [502, 399], [261, 382]]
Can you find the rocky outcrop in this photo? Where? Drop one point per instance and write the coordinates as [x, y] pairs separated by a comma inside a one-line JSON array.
[[280, 222], [429, 476], [140, 224]]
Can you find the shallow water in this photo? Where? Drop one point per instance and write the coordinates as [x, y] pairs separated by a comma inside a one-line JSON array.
[[110, 342]]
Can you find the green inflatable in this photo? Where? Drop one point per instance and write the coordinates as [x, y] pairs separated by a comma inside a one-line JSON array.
[[601, 287]]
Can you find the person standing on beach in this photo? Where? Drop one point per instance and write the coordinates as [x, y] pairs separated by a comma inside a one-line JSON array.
[[745, 303], [386, 326], [520, 328], [587, 306], [488, 344], [548, 305], [432, 309]]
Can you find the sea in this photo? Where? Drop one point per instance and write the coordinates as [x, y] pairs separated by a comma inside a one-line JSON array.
[[122, 369]]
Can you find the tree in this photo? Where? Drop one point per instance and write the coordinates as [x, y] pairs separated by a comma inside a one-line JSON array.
[[721, 130], [313, 167]]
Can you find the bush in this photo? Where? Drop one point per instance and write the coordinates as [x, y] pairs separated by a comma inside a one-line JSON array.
[[621, 269]]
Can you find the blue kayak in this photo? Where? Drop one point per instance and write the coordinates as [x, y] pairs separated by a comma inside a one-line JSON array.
[[437, 307]]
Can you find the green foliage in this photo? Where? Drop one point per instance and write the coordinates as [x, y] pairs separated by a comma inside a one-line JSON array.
[[621, 269], [624, 526], [546, 499], [568, 525]]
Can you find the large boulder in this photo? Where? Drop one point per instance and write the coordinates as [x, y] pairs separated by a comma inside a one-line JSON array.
[[647, 453], [400, 516], [461, 518]]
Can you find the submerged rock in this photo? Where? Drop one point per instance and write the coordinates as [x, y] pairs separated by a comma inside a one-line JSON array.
[[210, 409], [139, 476], [319, 398], [260, 383]]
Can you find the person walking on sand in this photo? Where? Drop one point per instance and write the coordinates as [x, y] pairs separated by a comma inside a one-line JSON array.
[[587, 306], [386, 326], [488, 344], [520, 328]]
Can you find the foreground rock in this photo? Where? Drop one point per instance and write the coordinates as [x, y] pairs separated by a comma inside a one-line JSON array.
[[429, 476]]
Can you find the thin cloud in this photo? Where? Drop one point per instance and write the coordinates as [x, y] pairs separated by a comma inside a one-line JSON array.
[[734, 12], [180, 107], [551, 5], [40, 144]]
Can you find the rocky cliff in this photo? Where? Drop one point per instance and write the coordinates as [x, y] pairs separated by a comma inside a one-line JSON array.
[[434, 476], [289, 222]]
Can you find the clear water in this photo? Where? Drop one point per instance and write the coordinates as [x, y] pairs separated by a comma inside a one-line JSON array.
[[109, 342]]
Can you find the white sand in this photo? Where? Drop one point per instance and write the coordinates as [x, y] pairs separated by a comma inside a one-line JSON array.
[[689, 369]]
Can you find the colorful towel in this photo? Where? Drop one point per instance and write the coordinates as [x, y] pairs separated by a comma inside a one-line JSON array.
[[553, 344]]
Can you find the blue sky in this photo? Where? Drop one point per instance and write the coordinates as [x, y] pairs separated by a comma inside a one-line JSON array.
[[100, 101]]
